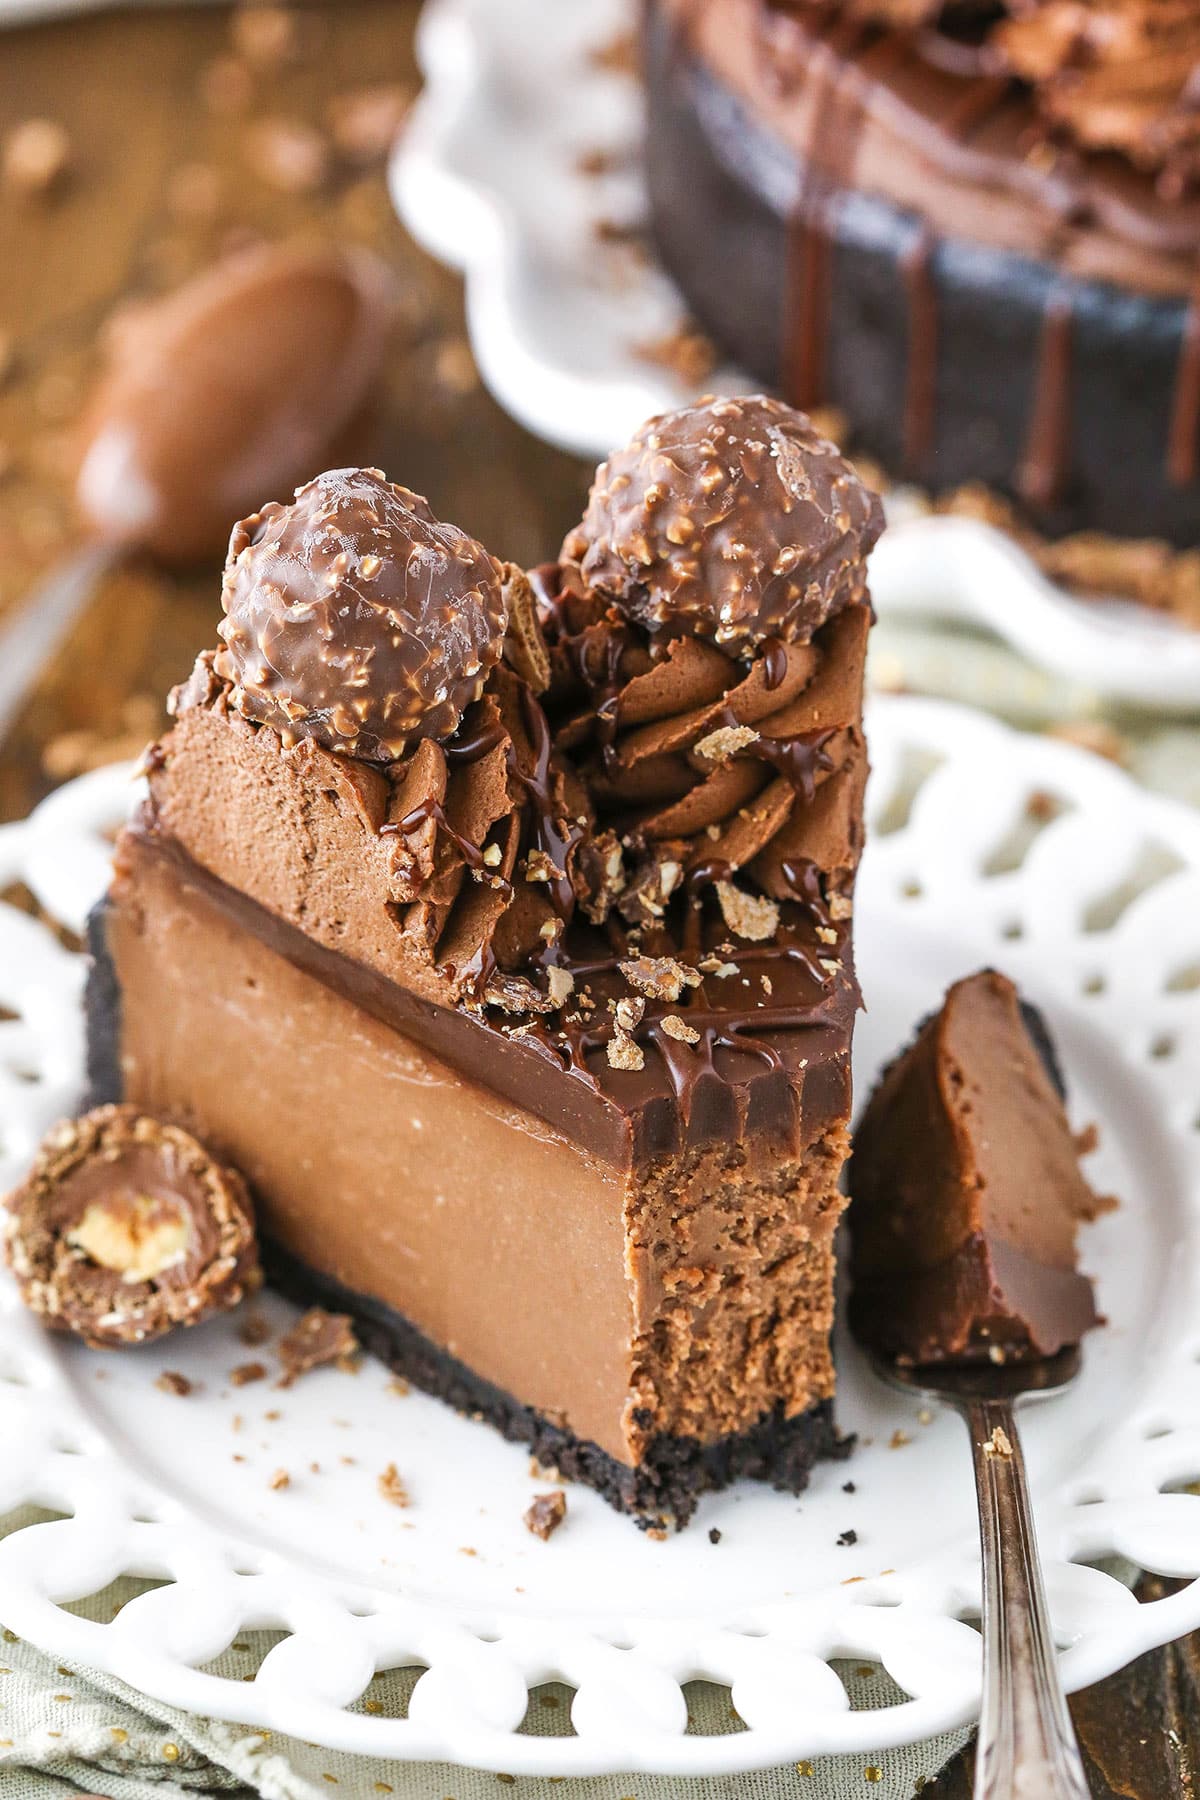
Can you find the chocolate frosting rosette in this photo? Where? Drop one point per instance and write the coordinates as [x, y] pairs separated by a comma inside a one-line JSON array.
[[709, 686]]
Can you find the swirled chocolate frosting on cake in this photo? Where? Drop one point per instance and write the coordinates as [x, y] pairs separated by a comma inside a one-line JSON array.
[[528, 901]]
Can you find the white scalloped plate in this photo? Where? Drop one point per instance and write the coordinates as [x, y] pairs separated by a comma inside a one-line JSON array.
[[153, 1485], [487, 177]]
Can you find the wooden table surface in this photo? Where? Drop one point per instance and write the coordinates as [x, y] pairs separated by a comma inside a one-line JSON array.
[[170, 164]]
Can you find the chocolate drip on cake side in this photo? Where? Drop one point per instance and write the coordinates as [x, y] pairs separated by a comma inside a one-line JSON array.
[[1183, 443], [838, 117], [808, 282], [920, 384], [1045, 465]]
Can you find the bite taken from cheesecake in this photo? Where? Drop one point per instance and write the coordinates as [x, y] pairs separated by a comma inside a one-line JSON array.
[[498, 928], [967, 1192]]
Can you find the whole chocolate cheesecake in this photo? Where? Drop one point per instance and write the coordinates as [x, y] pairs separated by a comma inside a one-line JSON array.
[[498, 928], [973, 226]]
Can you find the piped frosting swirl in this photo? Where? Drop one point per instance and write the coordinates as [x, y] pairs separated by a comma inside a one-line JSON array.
[[704, 771]]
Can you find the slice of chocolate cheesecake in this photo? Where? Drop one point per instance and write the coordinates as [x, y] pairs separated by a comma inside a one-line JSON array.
[[500, 931], [967, 1191]]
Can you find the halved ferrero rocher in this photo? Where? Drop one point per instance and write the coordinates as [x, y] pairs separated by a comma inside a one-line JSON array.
[[126, 1227]]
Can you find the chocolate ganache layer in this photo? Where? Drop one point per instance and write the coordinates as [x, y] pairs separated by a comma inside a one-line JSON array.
[[587, 930], [974, 229]]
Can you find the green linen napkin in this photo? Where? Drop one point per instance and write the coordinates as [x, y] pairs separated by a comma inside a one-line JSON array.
[[67, 1732]]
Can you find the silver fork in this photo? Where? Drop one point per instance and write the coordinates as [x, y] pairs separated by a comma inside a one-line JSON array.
[[1027, 1749]]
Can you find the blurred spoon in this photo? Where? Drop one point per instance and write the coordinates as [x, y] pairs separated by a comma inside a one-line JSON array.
[[230, 391]]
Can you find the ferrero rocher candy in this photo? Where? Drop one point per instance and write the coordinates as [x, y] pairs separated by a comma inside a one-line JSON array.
[[733, 520], [126, 1227], [357, 618]]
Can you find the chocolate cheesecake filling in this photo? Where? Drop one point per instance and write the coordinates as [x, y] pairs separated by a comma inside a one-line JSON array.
[[968, 1193]]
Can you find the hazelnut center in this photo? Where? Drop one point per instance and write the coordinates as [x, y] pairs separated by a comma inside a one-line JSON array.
[[137, 1236]]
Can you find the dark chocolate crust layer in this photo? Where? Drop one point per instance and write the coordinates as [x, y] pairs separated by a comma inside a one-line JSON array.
[[953, 361], [102, 1014], [667, 1483]]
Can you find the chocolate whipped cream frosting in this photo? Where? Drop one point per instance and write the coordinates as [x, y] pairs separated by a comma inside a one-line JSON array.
[[1107, 75], [699, 766], [1120, 75], [732, 520], [454, 862], [357, 618]]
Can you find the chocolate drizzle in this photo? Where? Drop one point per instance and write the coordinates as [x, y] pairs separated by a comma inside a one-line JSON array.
[[800, 758], [837, 120], [738, 1030], [1046, 462], [775, 663], [431, 809], [1183, 444], [920, 388], [555, 836]]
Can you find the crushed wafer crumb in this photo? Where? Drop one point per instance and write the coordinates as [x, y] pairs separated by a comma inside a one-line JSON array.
[[392, 1487], [629, 1013], [364, 122], [35, 157], [686, 352], [287, 154], [999, 1444], [245, 1373], [1093, 735], [675, 1027], [751, 916], [713, 965], [280, 1479], [623, 1053], [720, 745], [561, 985], [659, 977], [264, 35], [172, 1382], [317, 1338], [546, 1513], [540, 867]]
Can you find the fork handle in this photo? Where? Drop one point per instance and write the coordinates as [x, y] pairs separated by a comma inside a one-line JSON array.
[[1027, 1748]]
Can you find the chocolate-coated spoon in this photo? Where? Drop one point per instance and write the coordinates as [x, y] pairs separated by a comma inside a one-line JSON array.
[[228, 392], [1027, 1748]]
